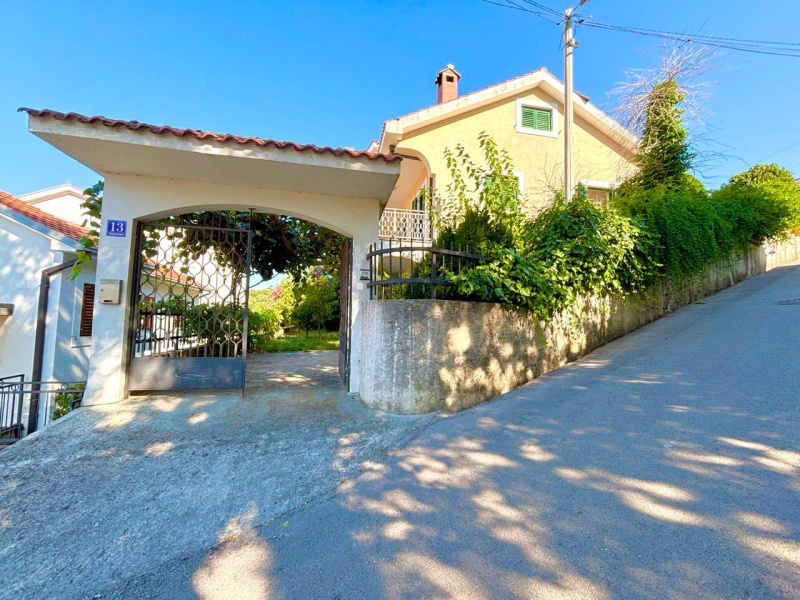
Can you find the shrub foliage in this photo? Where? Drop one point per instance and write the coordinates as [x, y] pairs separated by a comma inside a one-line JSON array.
[[671, 229]]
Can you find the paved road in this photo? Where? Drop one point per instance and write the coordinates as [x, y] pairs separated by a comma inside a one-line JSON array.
[[665, 465], [110, 493]]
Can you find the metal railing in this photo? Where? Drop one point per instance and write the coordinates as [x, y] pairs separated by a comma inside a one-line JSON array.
[[402, 224], [400, 269], [49, 401]]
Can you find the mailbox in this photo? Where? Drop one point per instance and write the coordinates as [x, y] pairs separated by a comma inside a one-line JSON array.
[[110, 291]]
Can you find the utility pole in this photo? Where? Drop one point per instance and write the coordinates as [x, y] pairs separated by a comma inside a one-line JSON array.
[[569, 45]]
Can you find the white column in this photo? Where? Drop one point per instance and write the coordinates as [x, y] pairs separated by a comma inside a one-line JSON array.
[[364, 236], [106, 380]]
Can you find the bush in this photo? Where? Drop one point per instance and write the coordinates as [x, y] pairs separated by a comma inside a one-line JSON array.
[[568, 249], [318, 301], [769, 188], [690, 230], [576, 248], [67, 400]]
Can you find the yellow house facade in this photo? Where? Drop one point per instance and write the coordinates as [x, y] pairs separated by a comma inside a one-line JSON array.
[[525, 116]]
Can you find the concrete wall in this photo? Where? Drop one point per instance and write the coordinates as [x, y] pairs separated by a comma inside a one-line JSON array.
[[540, 158], [427, 355]]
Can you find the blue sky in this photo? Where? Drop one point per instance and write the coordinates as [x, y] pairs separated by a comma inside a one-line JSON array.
[[332, 72]]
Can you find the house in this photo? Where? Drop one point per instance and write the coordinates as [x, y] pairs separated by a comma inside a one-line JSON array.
[[46, 331], [525, 116], [153, 172], [63, 201]]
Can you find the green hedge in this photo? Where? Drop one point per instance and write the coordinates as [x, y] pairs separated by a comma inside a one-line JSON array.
[[578, 248]]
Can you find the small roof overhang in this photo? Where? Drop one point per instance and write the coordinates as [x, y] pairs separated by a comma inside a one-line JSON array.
[[112, 146]]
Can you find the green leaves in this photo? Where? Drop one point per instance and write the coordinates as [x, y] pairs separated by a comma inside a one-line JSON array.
[[92, 208], [541, 264], [663, 155]]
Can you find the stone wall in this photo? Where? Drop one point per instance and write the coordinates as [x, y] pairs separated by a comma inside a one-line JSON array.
[[425, 355]]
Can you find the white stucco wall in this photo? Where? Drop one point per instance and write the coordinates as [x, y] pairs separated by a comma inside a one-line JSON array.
[[23, 255], [131, 197], [71, 352]]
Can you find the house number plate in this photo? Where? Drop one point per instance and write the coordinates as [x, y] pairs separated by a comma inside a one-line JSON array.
[[116, 228]]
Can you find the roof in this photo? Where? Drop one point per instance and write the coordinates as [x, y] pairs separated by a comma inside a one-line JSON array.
[[65, 228], [502, 90], [169, 274], [208, 135], [57, 191]]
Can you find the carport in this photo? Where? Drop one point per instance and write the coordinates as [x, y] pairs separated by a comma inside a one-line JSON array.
[[155, 171]]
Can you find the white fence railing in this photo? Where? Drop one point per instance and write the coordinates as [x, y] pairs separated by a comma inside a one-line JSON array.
[[400, 224]]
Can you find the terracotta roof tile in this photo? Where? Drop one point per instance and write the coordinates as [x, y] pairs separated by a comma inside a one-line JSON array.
[[206, 135], [67, 228]]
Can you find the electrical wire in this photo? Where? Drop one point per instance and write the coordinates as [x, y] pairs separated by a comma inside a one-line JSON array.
[[514, 6], [768, 48], [765, 47]]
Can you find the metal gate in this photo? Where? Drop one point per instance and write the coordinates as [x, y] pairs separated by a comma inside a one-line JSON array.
[[189, 302], [345, 301]]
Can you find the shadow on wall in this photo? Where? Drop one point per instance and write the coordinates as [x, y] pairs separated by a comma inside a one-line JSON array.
[[448, 355]]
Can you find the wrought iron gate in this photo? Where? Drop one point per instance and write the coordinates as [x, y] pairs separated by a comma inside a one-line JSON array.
[[345, 301], [189, 302]]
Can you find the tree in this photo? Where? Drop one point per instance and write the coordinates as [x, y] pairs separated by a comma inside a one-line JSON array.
[[318, 301], [775, 183], [663, 155], [656, 104], [281, 244]]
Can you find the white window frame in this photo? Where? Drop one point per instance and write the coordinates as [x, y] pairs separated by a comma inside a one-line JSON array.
[[598, 185], [555, 121]]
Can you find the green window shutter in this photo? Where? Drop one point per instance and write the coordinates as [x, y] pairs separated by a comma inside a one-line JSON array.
[[537, 118]]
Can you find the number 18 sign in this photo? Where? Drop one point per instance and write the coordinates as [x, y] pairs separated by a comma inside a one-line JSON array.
[[116, 228]]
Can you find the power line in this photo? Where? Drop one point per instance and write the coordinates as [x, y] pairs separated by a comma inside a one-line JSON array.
[[544, 8], [514, 6], [771, 48]]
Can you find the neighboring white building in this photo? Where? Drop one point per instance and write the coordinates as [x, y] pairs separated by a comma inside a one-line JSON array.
[[32, 241], [62, 201]]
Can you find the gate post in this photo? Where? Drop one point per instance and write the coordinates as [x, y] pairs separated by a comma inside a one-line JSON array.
[[106, 379]]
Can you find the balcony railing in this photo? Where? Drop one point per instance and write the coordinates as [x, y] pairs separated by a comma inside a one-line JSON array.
[[400, 224]]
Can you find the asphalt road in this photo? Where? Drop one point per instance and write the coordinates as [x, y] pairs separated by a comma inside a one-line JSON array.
[[664, 465]]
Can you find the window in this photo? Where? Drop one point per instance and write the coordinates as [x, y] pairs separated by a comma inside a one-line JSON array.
[[87, 310], [518, 176], [537, 117], [424, 196], [598, 196]]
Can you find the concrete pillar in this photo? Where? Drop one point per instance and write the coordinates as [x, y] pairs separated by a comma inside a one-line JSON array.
[[361, 240], [106, 380]]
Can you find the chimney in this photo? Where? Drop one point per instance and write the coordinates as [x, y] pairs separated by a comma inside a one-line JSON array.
[[447, 84]]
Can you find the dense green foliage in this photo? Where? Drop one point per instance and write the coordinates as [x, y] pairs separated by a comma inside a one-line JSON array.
[[317, 301], [540, 263], [695, 228], [571, 249], [663, 154], [772, 182]]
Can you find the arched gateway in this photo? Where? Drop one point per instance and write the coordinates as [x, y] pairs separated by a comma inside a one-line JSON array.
[[151, 172]]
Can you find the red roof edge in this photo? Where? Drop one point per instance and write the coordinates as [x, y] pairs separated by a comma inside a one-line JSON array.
[[206, 135], [62, 226]]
